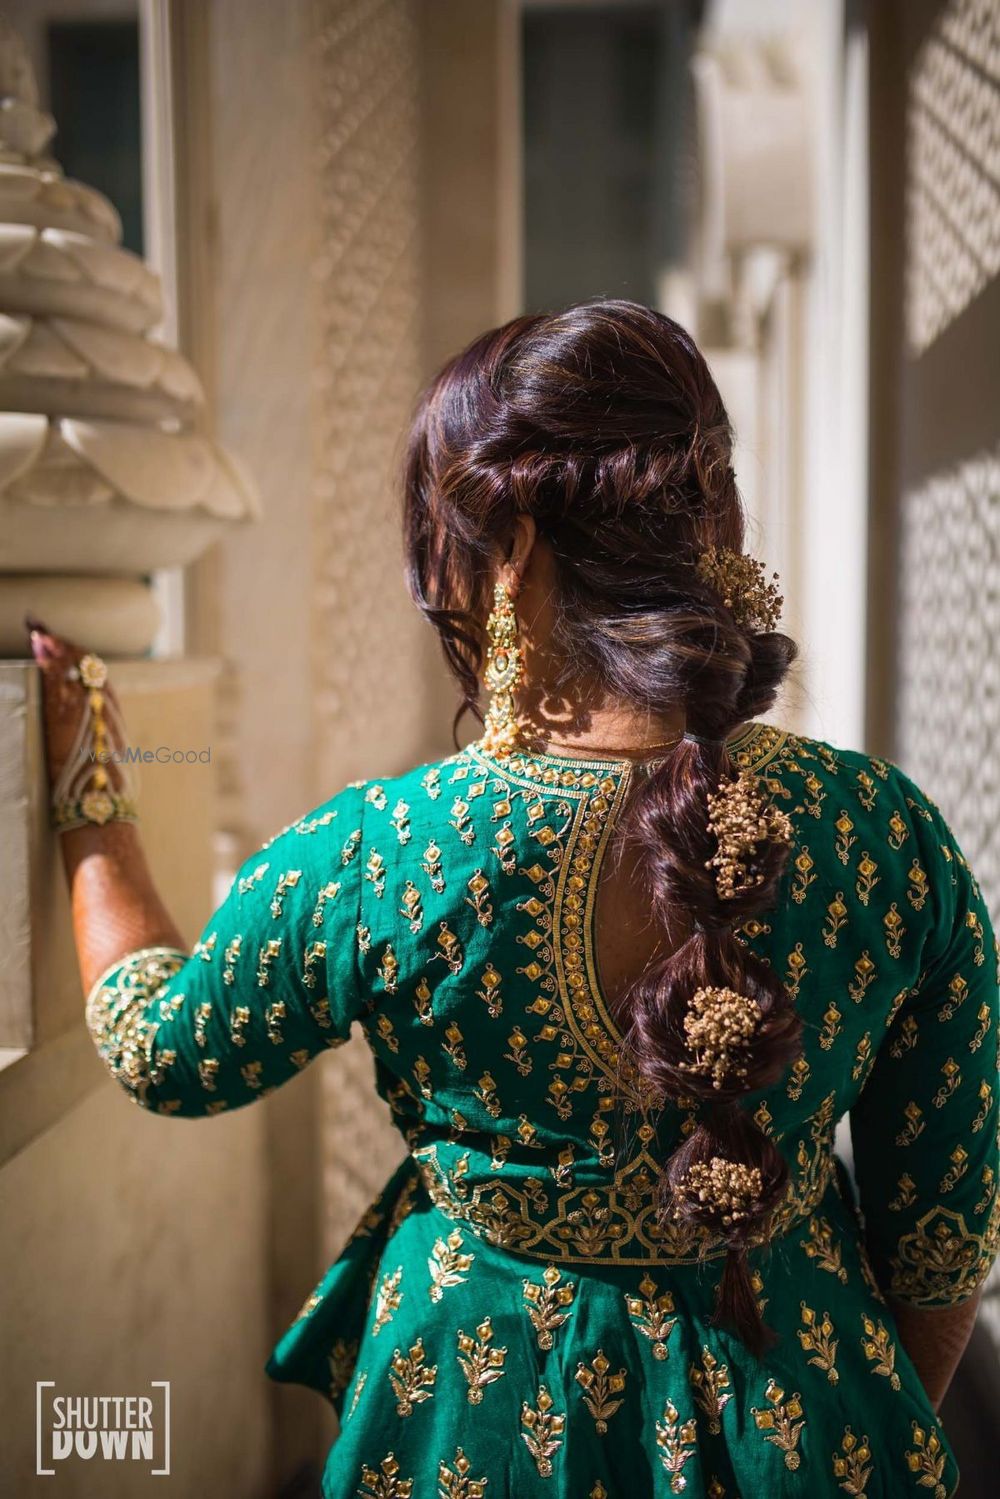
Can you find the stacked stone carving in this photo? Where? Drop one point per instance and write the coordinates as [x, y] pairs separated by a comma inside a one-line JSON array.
[[754, 162], [103, 477], [371, 680]]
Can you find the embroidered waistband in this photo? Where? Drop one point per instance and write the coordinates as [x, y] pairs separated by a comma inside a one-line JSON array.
[[595, 1225]]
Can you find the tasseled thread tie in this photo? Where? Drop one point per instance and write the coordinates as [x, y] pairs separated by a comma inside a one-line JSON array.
[[731, 1190], [719, 1025], [741, 817]]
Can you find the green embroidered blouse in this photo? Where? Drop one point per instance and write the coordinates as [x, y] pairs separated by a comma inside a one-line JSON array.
[[514, 1261]]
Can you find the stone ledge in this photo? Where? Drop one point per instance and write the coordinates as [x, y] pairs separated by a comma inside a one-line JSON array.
[[50, 1063]]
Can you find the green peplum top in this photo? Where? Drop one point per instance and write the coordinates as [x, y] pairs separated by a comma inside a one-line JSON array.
[[513, 1268]]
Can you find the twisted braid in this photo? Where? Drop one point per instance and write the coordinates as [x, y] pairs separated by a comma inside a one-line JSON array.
[[604, 424]]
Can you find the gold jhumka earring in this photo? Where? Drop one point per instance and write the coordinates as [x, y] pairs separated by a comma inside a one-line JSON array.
[[504, 670]]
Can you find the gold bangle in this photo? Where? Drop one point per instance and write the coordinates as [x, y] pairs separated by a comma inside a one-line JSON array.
[[94, 808]]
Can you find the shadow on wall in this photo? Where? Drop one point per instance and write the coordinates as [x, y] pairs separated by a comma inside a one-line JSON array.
[[948, 538]]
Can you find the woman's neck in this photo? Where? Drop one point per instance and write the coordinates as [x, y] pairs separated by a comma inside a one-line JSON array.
[[612, 729]]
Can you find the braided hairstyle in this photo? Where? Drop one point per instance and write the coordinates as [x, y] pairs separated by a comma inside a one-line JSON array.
[[603, 423]]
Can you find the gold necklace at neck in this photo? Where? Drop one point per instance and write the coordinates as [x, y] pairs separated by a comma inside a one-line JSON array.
[[619, 752]]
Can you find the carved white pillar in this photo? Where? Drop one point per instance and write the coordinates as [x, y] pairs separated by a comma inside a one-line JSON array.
[[780, 262], [103, 477]]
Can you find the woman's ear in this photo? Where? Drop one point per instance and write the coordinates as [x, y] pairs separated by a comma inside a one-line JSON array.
[[522, 542]]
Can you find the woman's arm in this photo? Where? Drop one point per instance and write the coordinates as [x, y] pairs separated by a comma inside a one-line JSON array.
[[116, 907], [273, 979], [935, 1341], [925, 1127]]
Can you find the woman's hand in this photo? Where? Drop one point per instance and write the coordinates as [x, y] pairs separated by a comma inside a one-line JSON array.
[[64, 699], [116, 908]]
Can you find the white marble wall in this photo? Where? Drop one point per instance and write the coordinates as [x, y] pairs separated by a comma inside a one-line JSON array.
[[318, 309], [113, 1271]]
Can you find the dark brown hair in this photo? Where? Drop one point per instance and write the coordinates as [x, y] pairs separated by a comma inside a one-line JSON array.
[[603, 422]]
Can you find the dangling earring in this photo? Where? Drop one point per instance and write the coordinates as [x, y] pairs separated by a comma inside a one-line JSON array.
[[504, 670]]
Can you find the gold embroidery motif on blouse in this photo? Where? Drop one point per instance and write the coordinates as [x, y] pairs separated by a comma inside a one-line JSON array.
[[677, 1441], [816, 1336], [449, 1264], [385, 1482], [709, 1381], [650, 1314], [598, 789], [116, 1020], [480, 1361], [548, 1305], [387, 1300], [880, 1350], [603, 1391], [455, 1482], [412, 1379], [852, 1464], [927, 1460], [781, 1421], [543, 1431], [942, 1259]]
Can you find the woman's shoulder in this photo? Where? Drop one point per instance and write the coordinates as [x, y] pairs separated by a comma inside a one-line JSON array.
[[798, 768], [394, 800], [861, 797], [423, 784], [864, 814], [825, 770]]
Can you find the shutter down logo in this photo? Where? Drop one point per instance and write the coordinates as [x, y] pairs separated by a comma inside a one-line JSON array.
[[102, 1428]]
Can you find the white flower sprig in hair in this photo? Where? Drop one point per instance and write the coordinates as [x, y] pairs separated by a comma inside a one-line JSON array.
[[730, 1190], [742, 817], [718, 1025], [754, 602]]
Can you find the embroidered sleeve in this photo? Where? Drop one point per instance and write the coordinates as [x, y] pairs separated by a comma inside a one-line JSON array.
[[272, 981], [925, 1127]]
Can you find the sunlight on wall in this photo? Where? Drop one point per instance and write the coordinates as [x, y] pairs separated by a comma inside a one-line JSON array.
[[954, 169], [949, 617], [949, 662]]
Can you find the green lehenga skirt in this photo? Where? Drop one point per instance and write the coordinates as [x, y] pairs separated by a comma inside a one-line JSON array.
[[461, 1369]]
